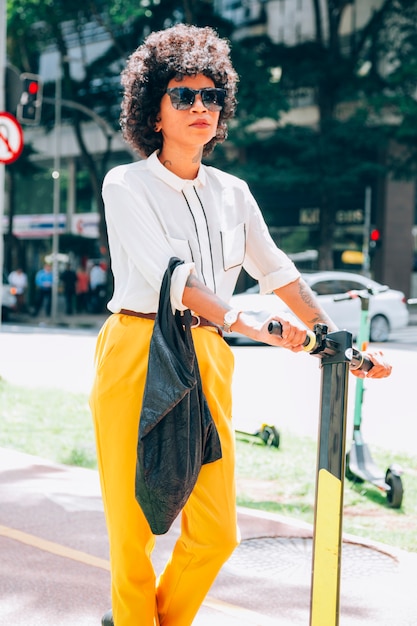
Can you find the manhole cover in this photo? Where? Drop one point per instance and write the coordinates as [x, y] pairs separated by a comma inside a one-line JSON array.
[[266, 557]]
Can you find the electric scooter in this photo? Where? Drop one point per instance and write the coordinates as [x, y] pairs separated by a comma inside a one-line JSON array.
[[360, 466], [267, 435], [336, 357]]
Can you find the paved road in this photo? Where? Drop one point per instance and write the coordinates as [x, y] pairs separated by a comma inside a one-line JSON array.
[[272, 386], [282, 388]]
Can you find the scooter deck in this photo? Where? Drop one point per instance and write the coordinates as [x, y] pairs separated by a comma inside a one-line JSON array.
[[362, 465]]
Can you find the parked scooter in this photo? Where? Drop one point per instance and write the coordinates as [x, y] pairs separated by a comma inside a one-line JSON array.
[[360, 466], [267, 435]]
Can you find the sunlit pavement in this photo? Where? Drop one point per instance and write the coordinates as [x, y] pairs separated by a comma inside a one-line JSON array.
[[55, 561]]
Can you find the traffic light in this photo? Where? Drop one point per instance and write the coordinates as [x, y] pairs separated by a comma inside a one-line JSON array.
[[374, 240], [29, 107]]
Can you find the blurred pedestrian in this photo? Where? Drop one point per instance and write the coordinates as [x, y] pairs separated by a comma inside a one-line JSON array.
[[98, 280], [19, 280], [82, 289], [69, 281], [43, 283]]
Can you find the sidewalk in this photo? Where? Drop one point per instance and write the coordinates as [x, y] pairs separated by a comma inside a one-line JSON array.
[[55, 561], [87, 321]]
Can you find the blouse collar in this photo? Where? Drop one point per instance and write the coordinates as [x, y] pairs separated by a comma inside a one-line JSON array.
[[172, 179]]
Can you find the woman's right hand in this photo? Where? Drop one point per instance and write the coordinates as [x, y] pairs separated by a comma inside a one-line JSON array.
[[255, 326]]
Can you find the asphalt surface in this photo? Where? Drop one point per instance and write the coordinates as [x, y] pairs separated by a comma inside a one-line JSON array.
[[54, 559]]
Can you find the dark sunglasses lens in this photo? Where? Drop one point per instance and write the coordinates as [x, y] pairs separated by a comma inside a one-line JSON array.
[[213, 99], [181, 97]]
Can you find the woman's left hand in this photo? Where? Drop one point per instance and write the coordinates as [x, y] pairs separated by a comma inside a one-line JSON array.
[[381, 368]]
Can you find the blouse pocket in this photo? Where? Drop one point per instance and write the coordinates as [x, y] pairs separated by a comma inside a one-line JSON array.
[[233, 246], [181, 249]]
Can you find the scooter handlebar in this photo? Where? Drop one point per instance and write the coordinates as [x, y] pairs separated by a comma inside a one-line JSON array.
[[360, 293], [357, 359], [275, 328]]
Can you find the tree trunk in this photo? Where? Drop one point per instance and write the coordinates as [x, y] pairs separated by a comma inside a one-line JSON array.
[[96, 181], [326, 235], [326, 103]]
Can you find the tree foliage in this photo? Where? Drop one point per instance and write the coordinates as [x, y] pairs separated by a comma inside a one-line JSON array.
[[41, 24], [354, 81], [359, 84]]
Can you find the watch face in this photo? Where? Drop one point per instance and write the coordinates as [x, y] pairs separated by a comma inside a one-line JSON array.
[[231, 317]]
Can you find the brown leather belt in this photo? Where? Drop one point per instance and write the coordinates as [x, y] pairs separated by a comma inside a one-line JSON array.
[[197, 320]]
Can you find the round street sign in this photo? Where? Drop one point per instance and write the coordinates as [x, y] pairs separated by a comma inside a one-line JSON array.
[[11, 138]]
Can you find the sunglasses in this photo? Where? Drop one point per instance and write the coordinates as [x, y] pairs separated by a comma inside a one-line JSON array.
[[183, 98]]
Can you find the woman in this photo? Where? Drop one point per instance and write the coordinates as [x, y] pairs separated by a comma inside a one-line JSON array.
[[179, 92]]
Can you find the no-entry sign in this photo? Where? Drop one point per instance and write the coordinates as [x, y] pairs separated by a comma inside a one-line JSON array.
[[11, 138]]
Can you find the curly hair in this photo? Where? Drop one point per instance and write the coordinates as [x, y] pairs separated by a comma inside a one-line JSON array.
[[173, 53]]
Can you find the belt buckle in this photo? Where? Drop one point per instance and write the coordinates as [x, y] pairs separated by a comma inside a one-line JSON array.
[[195, 324]]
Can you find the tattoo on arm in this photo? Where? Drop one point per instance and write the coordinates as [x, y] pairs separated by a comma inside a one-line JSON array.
[[194, 283], [191, 280], [202, 300], [307, 296]]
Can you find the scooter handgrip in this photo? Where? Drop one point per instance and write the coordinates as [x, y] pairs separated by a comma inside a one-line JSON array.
[[366, 364], [360, 362], [275, 328]]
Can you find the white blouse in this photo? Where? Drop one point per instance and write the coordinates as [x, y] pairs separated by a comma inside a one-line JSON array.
[[212, 223]]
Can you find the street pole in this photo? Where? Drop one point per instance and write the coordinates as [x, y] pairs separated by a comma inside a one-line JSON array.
[[3, 34], [56, 175]]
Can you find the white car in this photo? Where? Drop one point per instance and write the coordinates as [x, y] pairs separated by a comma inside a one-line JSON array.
[[387, 307]]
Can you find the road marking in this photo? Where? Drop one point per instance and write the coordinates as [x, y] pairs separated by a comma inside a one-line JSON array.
[[246, 615], [54, 548]]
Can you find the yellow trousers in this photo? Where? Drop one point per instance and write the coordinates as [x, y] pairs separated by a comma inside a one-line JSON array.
[[208, 521]]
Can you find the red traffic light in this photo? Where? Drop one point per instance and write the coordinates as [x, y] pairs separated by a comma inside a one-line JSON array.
[[374, 240], [29, 107], [33, 87]]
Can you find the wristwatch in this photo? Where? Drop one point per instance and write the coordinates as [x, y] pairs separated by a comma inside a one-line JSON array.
[[229, 319]]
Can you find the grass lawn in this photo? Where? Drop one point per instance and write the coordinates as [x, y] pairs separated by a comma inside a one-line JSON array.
[[283, 481], [53, 424], [57, 425]]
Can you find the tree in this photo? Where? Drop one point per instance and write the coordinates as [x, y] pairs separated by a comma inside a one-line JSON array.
[[347, 79], [332, 162], [124, 22], [399, 95]]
